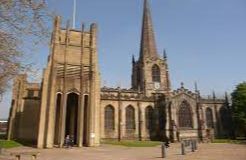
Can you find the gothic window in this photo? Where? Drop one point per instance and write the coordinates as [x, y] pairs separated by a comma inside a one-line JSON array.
[[185, 116], [209, 117], [109, 118], [130, 117], [156, 73], [149, 117]]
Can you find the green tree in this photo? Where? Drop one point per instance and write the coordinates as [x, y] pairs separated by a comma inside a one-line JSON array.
[[239, 108]]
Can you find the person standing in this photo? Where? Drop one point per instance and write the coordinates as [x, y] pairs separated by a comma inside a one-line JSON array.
[[67, 141]]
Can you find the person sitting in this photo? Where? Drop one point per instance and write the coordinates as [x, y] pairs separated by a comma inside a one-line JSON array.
[[67, 141]]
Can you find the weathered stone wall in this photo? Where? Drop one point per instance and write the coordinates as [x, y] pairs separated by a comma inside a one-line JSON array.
[[120, 103], [29, 119], [24, 112]]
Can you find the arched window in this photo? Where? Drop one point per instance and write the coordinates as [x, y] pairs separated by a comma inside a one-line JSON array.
[[130, 117], [156, 74], [109, 118], [209, 118], [149, 117], [185, 116]]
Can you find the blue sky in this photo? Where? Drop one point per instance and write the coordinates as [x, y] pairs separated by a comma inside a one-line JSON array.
[[204, 39]]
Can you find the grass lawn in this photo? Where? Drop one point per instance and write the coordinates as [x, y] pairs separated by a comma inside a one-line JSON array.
[[132, 143], [8, 144], [229, 141]]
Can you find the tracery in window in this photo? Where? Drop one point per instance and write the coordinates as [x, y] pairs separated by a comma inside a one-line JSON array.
[[185, 115], [156, 73]]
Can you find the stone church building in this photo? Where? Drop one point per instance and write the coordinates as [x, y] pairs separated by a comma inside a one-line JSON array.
[[70, 100]]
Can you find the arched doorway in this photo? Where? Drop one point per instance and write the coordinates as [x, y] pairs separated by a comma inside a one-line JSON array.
[[72, 116], [57, 120]]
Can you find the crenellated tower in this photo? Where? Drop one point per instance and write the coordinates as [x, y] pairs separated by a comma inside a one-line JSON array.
[[70, 88]]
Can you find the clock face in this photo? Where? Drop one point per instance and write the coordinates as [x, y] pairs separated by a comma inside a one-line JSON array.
[[157, 85]]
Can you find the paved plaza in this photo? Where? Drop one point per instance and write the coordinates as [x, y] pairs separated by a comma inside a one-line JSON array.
[[113, 152]]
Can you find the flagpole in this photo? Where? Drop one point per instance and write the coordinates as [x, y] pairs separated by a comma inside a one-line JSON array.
[[74, 13]]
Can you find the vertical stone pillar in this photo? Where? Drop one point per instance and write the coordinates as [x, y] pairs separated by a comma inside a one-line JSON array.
[[80, 123], [43, 110], [51, 111], [137, 131], [144, 135], [48, 94], [174, 122], [94, 95], [17, 92], [167, 129], [202, 125], [214, 121], [195, 119], [122, 122], [64, 97], [120, 131], [141, 121]]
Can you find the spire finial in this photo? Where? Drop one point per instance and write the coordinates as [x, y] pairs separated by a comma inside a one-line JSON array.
[[148, 45], [133, 58], [196, 88], [164, 54]]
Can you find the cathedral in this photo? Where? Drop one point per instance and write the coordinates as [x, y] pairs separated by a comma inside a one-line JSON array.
[[71, 101]]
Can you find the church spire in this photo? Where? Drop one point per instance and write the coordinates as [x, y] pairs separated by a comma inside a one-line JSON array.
[[148, 45]]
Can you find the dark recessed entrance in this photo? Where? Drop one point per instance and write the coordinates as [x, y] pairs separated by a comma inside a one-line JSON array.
[[72, 116]]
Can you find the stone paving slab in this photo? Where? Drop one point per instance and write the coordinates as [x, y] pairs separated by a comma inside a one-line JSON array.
[[112, 152]]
